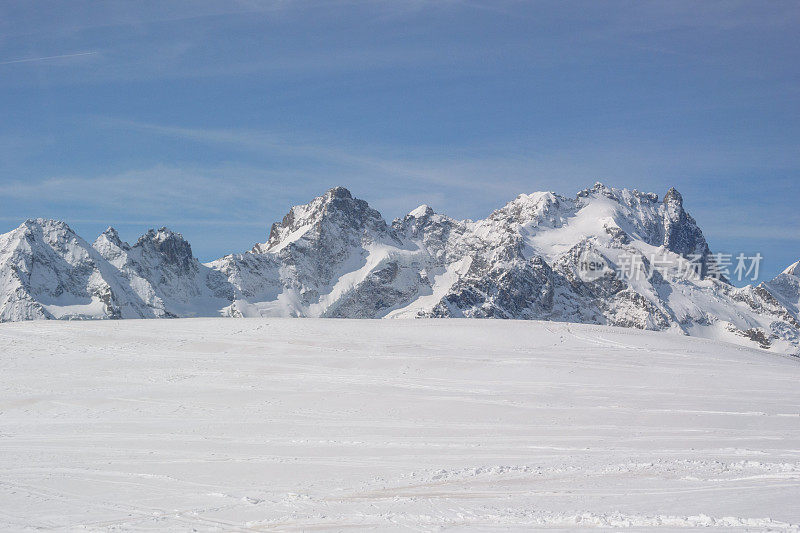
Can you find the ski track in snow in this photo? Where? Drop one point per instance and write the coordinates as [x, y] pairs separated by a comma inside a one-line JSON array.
[[288, 424]]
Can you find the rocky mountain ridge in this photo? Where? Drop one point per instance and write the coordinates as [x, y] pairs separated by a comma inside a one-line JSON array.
[[650, 268]]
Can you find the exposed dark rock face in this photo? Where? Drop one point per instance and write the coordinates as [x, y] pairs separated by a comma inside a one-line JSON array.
[[171, 246], [681, 233]]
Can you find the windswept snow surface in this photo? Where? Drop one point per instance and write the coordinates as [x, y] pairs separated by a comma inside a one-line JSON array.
[[281, 424]]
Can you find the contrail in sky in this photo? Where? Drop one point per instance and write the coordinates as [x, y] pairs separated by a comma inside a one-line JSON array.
[[30, 59]]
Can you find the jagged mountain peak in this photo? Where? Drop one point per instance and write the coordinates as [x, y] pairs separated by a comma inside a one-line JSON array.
[[110, 237], [423, 210], [45, 225], [43, 222], [45, 234], [51, 272], [336, 211], [168, 245], [335, 256], [793, 269], [673, 197], [682, 235], [41, 237], [163, 234], [422, 220], [597, 188], [338, 192], [535, 209], [622, 195], [625, 213], [111, 233]]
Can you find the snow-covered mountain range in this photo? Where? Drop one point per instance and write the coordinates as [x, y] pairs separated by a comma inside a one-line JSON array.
[[338, 257]]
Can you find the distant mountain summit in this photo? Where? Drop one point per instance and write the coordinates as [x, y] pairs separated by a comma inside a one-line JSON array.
[[49, 272], [324, 222], [606, 256], [793, 269]]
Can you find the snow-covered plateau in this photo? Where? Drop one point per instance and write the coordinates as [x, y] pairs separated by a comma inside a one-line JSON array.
[[337, 257], [265, 424]]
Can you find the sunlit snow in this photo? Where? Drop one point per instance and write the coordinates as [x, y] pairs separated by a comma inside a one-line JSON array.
[[287, 424]]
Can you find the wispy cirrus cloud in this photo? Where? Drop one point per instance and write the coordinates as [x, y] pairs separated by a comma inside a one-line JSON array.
[[501, 166], [283, 169], [155, 191], [47, 58], [451, 167]]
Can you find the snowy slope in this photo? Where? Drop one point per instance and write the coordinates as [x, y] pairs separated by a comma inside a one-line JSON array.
[[406, 425], [334, 257], [47, 271], [161, 269], [785, 288], [337, 257]]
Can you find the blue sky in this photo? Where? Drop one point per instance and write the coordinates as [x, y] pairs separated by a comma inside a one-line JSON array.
[[214, 117]]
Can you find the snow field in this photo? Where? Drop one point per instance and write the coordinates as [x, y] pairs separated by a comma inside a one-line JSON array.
[[292, 424]]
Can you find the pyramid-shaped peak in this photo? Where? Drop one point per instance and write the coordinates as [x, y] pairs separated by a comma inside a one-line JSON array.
[[423, 210], [335, 209], [110, 236], [673, 197], [793, 269]]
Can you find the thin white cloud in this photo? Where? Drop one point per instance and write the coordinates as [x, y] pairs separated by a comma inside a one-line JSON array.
[[428, 168], [504, 168], [47, 58], [153, 191], [464, 182]]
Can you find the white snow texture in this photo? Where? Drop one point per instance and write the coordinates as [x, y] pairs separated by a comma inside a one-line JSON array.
[[214, 424], [337, 257]]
